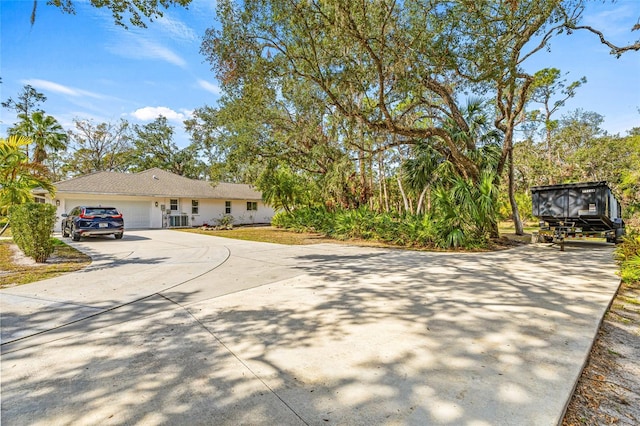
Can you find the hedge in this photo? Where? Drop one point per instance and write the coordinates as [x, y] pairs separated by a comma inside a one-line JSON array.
[[32, 226]]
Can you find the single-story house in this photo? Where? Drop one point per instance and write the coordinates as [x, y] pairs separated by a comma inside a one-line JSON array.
[[156, 198]]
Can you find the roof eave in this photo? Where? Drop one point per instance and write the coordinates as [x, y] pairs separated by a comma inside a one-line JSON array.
[[124, 194]]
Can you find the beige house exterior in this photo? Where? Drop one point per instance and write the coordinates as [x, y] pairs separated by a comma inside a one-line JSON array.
[[157, 199]]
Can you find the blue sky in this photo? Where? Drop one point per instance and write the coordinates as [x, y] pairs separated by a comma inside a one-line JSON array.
[[89, 68]]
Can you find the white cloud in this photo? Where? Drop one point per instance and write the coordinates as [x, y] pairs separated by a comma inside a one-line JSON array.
[[138, 47], [151, 113], [51, 86], [614, 21], [209, 87], [157, 51], [177, 29]]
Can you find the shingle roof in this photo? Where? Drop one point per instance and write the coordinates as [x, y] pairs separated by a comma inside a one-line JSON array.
[[155, 182]]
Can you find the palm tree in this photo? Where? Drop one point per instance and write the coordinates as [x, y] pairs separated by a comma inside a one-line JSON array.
[[19, 176], [45, 132], [479, 130], [466, 207], [280, 187], [486, 139], [422, 171], [428, 165]]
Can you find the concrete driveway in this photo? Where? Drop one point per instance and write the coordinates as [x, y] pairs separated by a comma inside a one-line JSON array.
[[174, 328]]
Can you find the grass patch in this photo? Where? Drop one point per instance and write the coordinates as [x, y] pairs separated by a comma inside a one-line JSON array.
[[64, 259], [508, 230], [631, 301], [271, 234], [264, 234], [7, 232], [612, 352], [507, 227]]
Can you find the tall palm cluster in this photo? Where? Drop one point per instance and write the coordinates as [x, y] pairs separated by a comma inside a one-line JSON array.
[[22, 169], [19, 175], [21, 172], [45, 133]]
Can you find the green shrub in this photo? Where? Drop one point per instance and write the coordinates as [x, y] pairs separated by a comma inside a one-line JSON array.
[[359, 223], [628, 256], [454, 227], [306, 219], [225, 221], [32, 226]]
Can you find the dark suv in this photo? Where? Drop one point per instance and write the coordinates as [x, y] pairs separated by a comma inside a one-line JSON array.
[[84, 221]]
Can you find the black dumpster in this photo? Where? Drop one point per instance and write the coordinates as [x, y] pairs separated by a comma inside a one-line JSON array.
[[588, 205]]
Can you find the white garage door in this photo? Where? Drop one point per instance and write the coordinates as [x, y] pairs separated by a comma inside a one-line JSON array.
[[137, 214]]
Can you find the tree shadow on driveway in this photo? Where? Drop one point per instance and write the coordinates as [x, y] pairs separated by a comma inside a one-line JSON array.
[[423, 338], [149, 362], [355, 337]]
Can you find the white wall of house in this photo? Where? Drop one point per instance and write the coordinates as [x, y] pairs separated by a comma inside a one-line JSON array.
[[213, 210], [154, 212], [207, 211]]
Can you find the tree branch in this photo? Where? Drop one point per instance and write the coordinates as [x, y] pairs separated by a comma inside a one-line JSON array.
[[617, 50]]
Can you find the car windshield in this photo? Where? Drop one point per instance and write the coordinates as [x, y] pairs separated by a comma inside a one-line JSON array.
[[97, 211]]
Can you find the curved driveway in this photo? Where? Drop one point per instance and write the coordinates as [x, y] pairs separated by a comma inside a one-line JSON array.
[[167, 327]]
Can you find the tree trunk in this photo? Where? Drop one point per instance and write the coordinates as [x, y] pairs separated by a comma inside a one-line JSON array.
[[517, 221], [387, 207], [404, 196], [363, 179], [371, 183], [380, 189], [421, 199], [384, 195], [4, 228], [548, 145]]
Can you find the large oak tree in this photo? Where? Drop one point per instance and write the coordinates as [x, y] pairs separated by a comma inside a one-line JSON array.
[[396, 67]]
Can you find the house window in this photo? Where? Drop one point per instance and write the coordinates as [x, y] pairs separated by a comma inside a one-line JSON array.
[[227, 207], [252, 206], [173, 205], [194, 206]]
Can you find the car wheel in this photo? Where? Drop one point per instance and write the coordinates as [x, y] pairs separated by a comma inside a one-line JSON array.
[[118, 236], [75, 236], [65, 233]]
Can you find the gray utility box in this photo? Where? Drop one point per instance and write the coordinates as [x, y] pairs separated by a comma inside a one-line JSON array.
[[589, 207]]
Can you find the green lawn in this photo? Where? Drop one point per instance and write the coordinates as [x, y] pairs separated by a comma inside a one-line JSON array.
[[265, 234], [63, 259]]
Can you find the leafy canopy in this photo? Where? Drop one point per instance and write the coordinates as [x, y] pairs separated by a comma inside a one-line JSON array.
[[19, 176]]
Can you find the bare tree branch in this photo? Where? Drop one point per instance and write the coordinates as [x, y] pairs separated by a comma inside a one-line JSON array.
[[617, 50]]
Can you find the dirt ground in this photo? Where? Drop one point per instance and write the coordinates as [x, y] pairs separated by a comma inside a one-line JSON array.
[[609, 390]]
